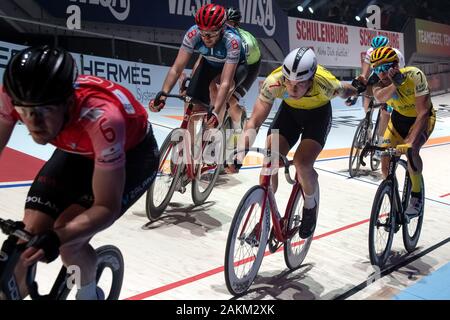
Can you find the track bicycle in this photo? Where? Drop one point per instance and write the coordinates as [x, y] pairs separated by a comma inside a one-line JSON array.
[[251, 231]]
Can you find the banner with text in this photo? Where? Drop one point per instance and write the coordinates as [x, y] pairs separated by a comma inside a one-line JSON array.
[[143, 80], [432, 38], [263, 18], [337, 45]]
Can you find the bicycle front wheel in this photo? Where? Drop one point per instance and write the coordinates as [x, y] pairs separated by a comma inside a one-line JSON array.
[[359, 139], [247, 240], [411, 231], [382, 225], [296, 248], [163, 187], [207, 171], [109, 257]]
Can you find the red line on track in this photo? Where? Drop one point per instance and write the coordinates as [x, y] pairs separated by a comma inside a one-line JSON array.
[[212, 272]]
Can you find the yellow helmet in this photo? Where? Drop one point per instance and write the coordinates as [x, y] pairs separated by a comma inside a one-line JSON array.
[[383, 55]]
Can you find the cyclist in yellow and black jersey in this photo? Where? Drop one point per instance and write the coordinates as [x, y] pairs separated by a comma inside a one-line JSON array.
[[413, 118], [306, 90]]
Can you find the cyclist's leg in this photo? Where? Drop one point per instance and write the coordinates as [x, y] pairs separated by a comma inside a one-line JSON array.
[[317, 125], [242, 86], [141, 167], [391, 138], [415, 166], [203, 74], [285, 131], [46, 200]]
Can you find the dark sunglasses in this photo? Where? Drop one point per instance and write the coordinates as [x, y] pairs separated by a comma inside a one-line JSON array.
[[383, 68]]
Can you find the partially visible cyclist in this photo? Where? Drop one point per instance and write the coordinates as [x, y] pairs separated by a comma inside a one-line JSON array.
[[222, 60], [368, 78], [306, 89], [253, 57], [106, 156], [413, 118]]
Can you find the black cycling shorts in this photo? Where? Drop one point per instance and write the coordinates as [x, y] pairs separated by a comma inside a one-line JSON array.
[[312, 124], [205, 73], [66, 179], [253, 71]]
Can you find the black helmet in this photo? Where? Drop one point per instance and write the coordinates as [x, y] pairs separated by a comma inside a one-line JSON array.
[[234, 15], [40, 75]]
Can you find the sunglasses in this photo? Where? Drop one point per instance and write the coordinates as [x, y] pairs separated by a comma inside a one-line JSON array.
[[210, 34], [383, 68]]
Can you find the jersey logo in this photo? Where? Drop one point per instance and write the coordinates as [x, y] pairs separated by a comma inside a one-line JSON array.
[[234, 44], [91, 114], [192, 33]]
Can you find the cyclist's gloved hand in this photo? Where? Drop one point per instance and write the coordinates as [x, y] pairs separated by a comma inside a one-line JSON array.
[[212, 120], [396, 76], [403, 148], [351, 101], [47, 241], [158, 103], [359, 85]]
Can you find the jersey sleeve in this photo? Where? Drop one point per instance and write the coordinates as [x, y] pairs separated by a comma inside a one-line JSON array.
[[368, 53], [190, 40], [233, 44], [420, 83], [7, 112], [269, 89], [105, 126]]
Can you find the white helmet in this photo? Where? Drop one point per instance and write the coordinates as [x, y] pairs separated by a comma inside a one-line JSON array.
[[300, 64]]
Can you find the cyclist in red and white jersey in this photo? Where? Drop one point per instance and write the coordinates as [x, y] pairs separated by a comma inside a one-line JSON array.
[[106, 156]]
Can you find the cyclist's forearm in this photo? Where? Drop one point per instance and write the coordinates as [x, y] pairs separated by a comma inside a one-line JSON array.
[[171, 78], [384, 94], [365, 70], [347, 91], [221, 96]]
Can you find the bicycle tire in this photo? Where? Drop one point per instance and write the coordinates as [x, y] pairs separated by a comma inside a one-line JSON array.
[[154, 211], [238, 284], [198, 196], [359, 139], [385, 189], [410, 241], [108, 256], [295, 248]]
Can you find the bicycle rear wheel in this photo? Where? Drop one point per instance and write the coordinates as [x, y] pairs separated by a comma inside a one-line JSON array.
[[207, 171], [359, 140], [382, 225], [295, 248], [163, 187], [247, 240], [374, 162], [411, 231]]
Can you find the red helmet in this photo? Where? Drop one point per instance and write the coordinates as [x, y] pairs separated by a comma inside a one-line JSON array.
[[210, 17]]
